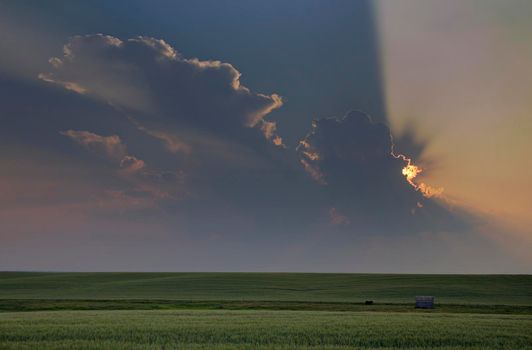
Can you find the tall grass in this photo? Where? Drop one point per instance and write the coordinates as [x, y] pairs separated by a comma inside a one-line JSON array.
[[201, 329]]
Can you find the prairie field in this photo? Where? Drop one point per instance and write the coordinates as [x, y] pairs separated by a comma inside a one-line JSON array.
[[262, 311], [305, 287]]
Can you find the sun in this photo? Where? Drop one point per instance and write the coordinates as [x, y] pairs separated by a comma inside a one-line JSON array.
[[410, 171]]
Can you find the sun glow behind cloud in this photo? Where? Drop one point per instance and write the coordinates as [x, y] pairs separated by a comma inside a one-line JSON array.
[[411, 171], [459, 71]]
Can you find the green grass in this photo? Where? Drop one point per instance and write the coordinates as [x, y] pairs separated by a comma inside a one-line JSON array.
[[262, 311], [207, 329], [344, 288], [10, 305]]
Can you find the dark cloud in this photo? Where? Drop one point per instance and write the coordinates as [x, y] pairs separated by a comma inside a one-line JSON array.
[[149, 79], [209, 126], [138, 179], [202, 156], [352, 151], [353, 159]]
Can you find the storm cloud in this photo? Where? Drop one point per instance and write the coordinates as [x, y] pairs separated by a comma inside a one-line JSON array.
[[352, 158], [149, 79], [182, 147], [344, 172]]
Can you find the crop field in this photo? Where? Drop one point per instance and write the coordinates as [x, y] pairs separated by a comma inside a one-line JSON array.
[[262, 311], [207, 329]]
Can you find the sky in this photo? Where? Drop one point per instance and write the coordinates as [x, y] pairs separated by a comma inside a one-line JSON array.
[[315, 136]]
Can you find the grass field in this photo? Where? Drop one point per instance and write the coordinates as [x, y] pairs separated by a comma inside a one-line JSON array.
[[449, 289], [203, 329], [262, 311]]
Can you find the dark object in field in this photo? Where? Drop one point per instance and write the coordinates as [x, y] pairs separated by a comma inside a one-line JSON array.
[[424, 302], [368, 302]]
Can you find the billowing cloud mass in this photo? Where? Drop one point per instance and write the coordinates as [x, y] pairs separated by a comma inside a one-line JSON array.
[[197, 110], [212, 124], [353, 159], [151, 80], [139, 186], [355, 155]]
